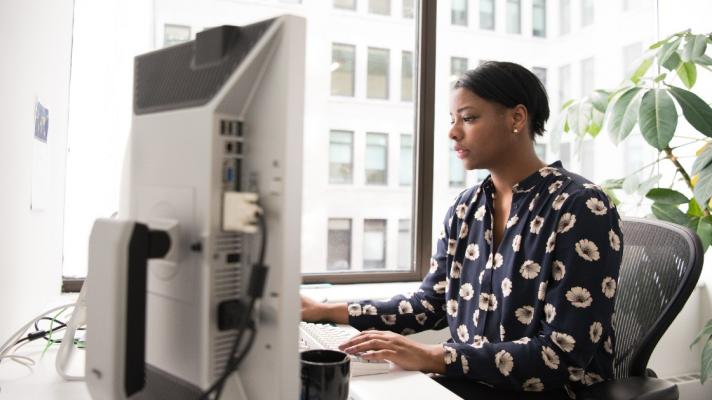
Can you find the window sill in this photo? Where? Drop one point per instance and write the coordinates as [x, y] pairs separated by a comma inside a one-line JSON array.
[[358, 291]]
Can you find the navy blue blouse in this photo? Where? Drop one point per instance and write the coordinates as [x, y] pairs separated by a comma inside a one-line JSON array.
[[534, 314]]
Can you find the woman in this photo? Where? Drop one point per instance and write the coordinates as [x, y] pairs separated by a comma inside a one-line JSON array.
[[526, 264]]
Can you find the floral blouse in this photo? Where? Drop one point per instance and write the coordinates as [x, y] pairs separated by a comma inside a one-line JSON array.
[[533, 314]]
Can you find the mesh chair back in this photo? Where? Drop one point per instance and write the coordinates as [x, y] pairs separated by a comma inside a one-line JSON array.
[[661, 264]]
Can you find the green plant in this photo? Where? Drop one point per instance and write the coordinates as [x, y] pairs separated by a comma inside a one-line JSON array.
[[650, 99]]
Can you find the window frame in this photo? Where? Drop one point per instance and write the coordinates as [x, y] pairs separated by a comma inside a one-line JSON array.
[[422, 192]]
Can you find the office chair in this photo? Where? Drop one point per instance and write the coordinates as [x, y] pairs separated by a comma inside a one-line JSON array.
[[661, 264]]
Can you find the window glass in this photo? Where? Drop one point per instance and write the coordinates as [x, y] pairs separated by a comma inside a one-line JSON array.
[[374, 243], [381, 7], [175, 34], [564, 17], [541, 74], [487, 14], [539, 18], [340, 157], [587, 12], [378, 64], [342, 69], [458, 66], [588, 76], [408, 10], [514, 16], [345, 4], [376, 158], [404, 244], [407, 76], [458, 13], [406, 160], [339, 245]]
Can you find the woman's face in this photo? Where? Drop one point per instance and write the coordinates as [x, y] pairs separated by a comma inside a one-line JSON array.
[[481, 130]]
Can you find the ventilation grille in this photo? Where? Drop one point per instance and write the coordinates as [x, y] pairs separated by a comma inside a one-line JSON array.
[[226, 286], [228, 243]]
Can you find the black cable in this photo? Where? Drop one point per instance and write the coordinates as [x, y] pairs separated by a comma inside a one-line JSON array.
[[246, 323]]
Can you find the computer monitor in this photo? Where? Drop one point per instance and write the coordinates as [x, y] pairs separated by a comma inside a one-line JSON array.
[[222, 113]]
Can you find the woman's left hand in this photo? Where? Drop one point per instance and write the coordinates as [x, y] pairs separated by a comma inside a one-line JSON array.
[[386, 345]]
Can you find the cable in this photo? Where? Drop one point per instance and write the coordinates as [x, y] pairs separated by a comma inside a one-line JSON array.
[[256, 287]]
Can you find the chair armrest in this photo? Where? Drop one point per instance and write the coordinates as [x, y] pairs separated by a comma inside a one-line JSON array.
[[639, 388]]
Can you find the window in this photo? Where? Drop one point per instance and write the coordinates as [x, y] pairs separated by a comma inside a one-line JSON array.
[[339, 246], [564, 84], [588, 76], [587, 12], [408, 9], [341, 157], [564, 17], [539, 18], [342, 69], [407, 76], [458, 12], [345, 4], [457, 171], [175, 34], [514, 16], [376, 159], [404, 244], [541, 74], [458, 67], [381, 7], [377, 73], [487, 14], [406, 160], [374, 243]]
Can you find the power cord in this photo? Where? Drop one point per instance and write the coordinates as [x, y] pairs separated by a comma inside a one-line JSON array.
[[258, 278]]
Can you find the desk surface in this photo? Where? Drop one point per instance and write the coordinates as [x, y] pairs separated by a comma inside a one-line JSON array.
[[43, 382]]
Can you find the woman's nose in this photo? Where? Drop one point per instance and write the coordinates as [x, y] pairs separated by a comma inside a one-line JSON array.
[[455, 132]]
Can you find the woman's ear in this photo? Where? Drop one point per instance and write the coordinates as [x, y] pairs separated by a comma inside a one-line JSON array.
[[519, 118]]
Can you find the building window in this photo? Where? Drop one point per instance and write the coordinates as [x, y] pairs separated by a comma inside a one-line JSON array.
[[588, 77], [406, 160], [514, 16], [175, 34], [587, 12], [564, 17], [341, 157], [458, 67], [404, 244], [564, 84], [539, 18], [380, 7], [407, 76], [342, 69], [339, 246], [374, 243], [457, 171], [345, 4], [487, 14], [378, 65], [458, 12], [408, 10], [376, 158], [541, 74]]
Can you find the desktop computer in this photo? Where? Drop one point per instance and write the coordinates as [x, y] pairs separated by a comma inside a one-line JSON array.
[[217, 126]]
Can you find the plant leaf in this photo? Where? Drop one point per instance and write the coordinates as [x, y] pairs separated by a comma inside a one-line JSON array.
[[600, 99], [667, 49], [687, 73], [706, 331], [567, 104], [693, 208], [661, 77], [703, 160], [695, 46], [695, 110], [624, 115], [667, 196], [703, 188], [596, 123], [704, 60], [672, 62], [657, 118], [668, 212], [641, 70], [706, 368], [704, 231]]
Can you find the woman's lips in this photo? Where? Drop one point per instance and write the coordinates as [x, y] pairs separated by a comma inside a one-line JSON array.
[[461, 153]]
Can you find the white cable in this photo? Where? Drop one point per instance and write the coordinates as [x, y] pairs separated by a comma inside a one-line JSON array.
[[12, 341]]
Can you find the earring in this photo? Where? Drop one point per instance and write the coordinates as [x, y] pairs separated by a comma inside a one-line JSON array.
[[515, 130]]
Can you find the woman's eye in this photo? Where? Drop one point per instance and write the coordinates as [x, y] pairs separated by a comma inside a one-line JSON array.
[[468, 119]]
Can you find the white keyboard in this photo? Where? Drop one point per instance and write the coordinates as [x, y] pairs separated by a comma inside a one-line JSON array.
[[327, 336]]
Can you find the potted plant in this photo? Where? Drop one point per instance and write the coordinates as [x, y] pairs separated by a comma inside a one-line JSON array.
[[650, 98]]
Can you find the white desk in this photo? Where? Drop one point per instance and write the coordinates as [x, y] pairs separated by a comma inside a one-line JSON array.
[[43, 383]]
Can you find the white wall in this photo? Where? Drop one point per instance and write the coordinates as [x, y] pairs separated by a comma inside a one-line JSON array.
[[36, 43]]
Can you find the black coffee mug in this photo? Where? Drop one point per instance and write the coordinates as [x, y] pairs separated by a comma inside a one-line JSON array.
[[325, 375]]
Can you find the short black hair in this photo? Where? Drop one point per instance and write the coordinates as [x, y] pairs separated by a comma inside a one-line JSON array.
[[509, 84]]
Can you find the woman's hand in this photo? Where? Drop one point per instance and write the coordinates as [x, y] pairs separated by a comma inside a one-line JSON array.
[[313, 311], [408, 354]]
